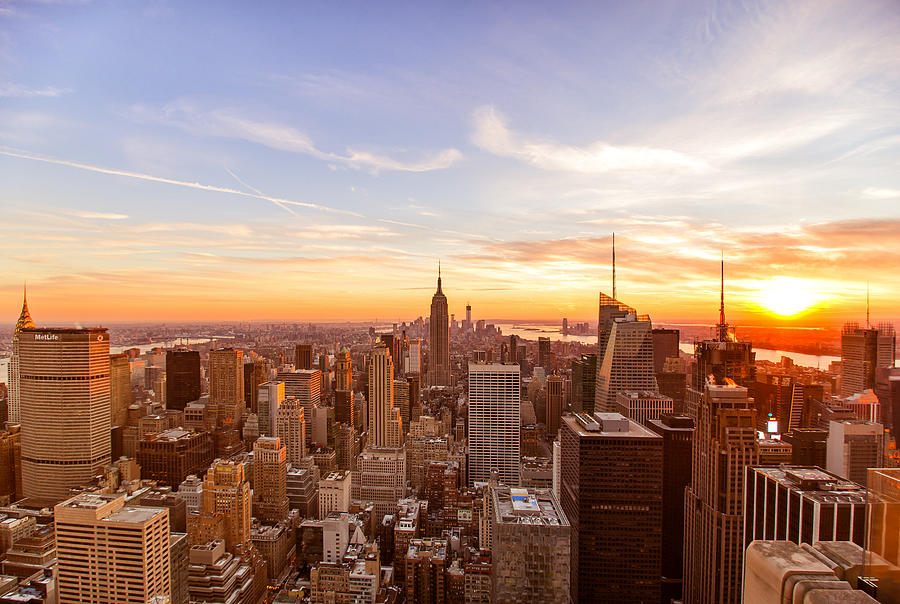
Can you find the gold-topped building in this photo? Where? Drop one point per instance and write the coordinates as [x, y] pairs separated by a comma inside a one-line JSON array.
[[24, 322]]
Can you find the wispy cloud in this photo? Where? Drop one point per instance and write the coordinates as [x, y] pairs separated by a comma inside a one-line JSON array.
[[98, 215], [20, 91], [181, 183], [492, 134], [226, 123], [877, 193]]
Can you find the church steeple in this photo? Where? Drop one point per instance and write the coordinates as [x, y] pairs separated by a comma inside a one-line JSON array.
[[25, 320]]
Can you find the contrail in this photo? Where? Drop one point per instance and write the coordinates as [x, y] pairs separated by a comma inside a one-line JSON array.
[[257, 191], [181, 183]]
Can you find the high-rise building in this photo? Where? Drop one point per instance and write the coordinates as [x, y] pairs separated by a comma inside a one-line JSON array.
[[119, 389], [611, 491], [24, 322], [414, 360], [290, 427], [64, 385], [530, 545], [544, 353], [385, 421], [306, 386], [303, 356], [803, 505], [182, 378], [555, 403], [215, 575], [863, 351], [665, 346], [643, 406], [227, 492], [226, 383], [809, 446], [269, 398], [677, 432], [344, 409], [468, 325], [887, 389], [303, 487], [335, 493], [380, 479], [343, 371], [172, 455], [627, 362], [724, 445], [494, 422], [270, 502], [584, 383], [254, 374], [107, 552], [854, 446], [426, 563], [439, 344]]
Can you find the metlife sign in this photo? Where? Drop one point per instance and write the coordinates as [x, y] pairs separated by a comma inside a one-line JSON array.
[[46, 337]]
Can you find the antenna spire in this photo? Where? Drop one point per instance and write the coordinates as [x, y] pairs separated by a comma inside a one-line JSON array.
[[723, 326], [868, 325], [439, 277], [614, 266]]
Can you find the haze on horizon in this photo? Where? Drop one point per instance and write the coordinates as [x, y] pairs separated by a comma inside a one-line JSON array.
[[217, 161]]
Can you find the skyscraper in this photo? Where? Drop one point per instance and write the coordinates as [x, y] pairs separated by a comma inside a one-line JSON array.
[[107, 552], [226, 383], [270, 502], [665, 345], [269, 397], [803, 505], [724, 445], [65, 408], [863, 351], [544, 353], [530, 545], [555, 403], [611, 489], [343, 371], [494, 422], [306, 386], [385, 421], [254, 374], [414, 361], [439, 344], [584, 383], [119, 389], [627, 362], [677, 432], [854, 446], [24, 322], [303, 357], [182, 378], [227, 492], [290, 427]]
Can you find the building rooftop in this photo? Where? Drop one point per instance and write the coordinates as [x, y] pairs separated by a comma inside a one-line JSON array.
[[134, 515], [816, 484], [513, 505], [170, 435], [607, 425]]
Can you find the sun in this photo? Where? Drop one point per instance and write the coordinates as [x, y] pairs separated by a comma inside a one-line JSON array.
[[788, 296]]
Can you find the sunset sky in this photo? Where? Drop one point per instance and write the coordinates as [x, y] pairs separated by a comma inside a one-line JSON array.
[[314, 161]]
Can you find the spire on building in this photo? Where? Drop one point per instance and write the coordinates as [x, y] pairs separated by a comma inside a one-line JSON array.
[[439, 278], [614, 266], [25, 320], [722, 327]]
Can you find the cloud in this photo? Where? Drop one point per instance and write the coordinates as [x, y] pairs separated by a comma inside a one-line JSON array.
[[876, 193], [98, 215], [492, 134], [19, 91], [226, 123], [181, 183]]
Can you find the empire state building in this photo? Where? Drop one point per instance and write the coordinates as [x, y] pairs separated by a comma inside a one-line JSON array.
[[439, 352]]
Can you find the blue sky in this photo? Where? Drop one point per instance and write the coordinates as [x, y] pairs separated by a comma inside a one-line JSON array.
[[312, 161]]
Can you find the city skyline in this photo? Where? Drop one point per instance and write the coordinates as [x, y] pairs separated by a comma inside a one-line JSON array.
[[177, 145]]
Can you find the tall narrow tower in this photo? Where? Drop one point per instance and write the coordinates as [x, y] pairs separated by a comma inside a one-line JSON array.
[[14, 392], [385, 423], [439, 346]]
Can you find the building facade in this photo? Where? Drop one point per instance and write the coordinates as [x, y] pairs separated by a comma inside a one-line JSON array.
[[494, 422]]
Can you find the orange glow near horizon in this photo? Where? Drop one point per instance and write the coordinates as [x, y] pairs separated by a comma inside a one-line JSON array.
[[789, 297]]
